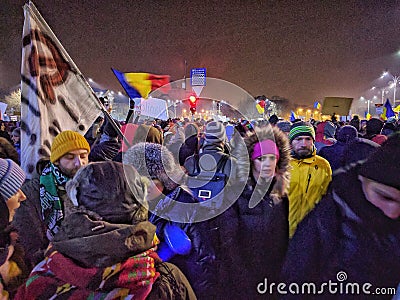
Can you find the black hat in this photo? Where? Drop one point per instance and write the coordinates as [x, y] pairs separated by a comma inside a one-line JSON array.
[[273, 119], [384, 164]]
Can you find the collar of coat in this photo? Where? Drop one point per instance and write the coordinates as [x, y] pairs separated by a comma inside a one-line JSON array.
[[96, 243]]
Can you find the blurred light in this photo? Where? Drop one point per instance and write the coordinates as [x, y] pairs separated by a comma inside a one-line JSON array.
[[119, 93], [373, 88], [384, 74], [90, 79], [191, 98]]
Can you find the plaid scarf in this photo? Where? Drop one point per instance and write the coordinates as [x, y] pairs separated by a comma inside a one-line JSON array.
[[59, 276], [51, 181]]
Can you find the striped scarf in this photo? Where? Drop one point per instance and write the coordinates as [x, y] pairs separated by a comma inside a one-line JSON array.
[[60, 277], [51, 181]]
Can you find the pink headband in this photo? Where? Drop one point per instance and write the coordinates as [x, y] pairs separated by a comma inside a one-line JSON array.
[[265, 147]]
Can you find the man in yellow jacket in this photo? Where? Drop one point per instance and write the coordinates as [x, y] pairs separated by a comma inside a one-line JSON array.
[[310, 175]]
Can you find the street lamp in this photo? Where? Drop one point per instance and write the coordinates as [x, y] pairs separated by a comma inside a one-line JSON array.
[[393, 84], [368, 101]]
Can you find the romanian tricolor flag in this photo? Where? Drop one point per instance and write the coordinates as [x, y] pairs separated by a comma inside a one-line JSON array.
[[293, 116], [317, 105], [139, 85], [260, 106], [387, 111]]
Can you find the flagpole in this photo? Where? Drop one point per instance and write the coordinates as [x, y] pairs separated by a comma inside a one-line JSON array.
[[38, 17]]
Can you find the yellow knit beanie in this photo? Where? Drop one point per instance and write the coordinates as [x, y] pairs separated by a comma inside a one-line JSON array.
[[65, 142]]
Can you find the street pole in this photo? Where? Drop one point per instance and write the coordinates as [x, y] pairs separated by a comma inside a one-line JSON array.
[[395, 81]]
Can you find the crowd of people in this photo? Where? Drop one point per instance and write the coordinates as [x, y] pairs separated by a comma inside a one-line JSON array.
[[300, 203]]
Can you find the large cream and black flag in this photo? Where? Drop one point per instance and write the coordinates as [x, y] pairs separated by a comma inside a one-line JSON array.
[[55, 95]]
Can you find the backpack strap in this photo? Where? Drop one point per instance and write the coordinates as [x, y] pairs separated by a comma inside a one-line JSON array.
[[221, 164], [196, 164]]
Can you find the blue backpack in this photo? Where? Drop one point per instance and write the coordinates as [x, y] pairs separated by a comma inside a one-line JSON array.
[[208, 186]]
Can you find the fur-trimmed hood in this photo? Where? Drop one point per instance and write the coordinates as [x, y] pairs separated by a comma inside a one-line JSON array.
[[244, 149]]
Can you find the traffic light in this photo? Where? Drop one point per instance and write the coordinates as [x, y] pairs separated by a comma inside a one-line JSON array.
[[193, 104]]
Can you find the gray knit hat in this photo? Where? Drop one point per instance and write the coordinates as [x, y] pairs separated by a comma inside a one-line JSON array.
[[155, 162], [11, 178], [215, 132]]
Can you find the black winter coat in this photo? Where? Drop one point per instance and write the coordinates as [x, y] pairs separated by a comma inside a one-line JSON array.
[[262, 240], [105, 151], [345, 233], [188, 148], [29, 223], [199, 265]]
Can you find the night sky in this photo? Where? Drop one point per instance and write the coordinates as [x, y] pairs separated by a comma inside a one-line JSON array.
[[300, 50]]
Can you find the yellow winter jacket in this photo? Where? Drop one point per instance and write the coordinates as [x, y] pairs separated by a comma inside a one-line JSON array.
[[309, 181]]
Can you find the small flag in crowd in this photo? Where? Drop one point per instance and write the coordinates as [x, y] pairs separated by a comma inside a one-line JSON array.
[[387, 111], [260, 106], [139, 85], [293, 116], [54, 94], [367, 116], [317, 105]]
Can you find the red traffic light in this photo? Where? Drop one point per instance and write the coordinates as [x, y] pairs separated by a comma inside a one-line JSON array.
[[192, 99]]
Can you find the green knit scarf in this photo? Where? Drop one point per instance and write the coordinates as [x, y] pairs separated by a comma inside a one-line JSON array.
[[51, 180]]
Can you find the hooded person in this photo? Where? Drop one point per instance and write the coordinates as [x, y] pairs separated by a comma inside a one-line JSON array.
[[324, 135], [373, 131], [168, 206], [334, 154], [191, 143], [105, 248], [38, 219], [354, 231], [12, 266], [214, 149], [262, 208]]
